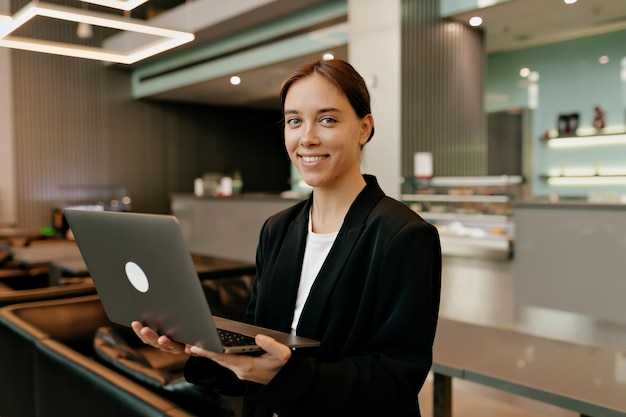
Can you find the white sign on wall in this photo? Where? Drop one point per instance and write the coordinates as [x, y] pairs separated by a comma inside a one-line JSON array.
[[423, 165]]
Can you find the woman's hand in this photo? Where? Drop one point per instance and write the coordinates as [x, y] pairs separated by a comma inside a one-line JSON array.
[[152, 338], [261, 369]]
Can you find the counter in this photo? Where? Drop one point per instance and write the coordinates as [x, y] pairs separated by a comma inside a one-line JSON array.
[[226, 227], [571, 255]]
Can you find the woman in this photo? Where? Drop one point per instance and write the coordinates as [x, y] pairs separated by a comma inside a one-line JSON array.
[[350, 267]]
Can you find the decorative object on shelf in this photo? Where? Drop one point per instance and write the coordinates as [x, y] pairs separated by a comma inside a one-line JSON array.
[[598, 119], [568, 124]]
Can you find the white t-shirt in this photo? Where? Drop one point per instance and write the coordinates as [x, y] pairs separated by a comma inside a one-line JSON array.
[[317, 247]]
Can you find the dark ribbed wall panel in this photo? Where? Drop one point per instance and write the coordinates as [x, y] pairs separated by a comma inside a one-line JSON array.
[[60, 125], [76, 124], [442, 92]]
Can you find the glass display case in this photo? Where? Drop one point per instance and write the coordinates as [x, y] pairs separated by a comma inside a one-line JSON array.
[[472, 214]]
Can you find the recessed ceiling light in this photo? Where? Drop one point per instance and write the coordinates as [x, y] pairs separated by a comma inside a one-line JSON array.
[[476, 21], [486, 3], [235, 80], [569, 1], [604, 59]]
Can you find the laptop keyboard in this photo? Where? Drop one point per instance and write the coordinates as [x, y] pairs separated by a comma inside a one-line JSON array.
[[235, 339]]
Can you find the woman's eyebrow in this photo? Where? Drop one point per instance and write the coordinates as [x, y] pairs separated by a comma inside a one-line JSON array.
[[328, 109], [322, 110]]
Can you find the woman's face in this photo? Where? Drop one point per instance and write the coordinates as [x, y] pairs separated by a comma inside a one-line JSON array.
[[323, 134]]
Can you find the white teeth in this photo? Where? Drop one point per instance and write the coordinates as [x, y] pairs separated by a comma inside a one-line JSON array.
[[312, 158]]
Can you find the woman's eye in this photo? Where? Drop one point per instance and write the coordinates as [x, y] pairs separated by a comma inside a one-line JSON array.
[[293, 122], [328, 120]]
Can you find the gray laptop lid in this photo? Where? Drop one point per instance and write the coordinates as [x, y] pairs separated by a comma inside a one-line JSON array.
[[143, 271]]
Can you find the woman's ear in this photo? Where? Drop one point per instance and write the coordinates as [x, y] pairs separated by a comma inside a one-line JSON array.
[[367, 124]]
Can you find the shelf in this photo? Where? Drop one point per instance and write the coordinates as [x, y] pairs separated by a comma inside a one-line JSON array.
[[501, 244], [484, 181], [495, 218], [585, 180], [586, 141], [456, 198]]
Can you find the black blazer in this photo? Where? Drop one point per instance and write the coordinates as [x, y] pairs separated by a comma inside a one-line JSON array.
[[373, 306]]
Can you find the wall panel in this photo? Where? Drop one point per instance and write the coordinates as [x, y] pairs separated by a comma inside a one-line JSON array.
[[76, 124], [8, 214], [442, 92]]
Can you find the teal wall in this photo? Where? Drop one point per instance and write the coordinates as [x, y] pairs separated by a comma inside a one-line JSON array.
[[571, 79], [450, 7]]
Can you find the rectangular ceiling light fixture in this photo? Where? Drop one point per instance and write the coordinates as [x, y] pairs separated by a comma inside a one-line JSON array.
[[117, 4], [169, 38]]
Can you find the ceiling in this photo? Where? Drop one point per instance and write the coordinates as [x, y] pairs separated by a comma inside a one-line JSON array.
[[259, 86], [517, 24], [510, 25], [258, 89]]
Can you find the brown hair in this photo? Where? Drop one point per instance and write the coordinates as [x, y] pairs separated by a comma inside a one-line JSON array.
[[340, 74]]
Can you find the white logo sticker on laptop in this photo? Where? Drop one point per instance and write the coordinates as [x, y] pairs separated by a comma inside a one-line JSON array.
[[137, 277]]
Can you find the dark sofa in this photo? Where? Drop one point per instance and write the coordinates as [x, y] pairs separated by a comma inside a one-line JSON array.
[[19, 283], [9, 294], [49, 367]]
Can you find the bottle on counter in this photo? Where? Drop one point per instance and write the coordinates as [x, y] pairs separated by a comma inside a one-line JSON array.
[[237, 183], [211, 183], [226, 187], [198, 187]]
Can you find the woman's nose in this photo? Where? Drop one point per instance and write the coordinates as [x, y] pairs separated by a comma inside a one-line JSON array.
[[309, 137]]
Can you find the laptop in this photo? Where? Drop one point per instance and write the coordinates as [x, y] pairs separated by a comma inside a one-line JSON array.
[[143, 271]]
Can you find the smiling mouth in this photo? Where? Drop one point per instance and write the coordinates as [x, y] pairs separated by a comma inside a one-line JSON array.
[[313, 158]]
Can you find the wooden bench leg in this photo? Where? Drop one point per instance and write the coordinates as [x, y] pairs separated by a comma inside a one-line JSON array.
[[442, 396]]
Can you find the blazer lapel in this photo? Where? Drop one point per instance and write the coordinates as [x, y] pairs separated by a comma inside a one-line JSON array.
[[286, 274], [330, 272]]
